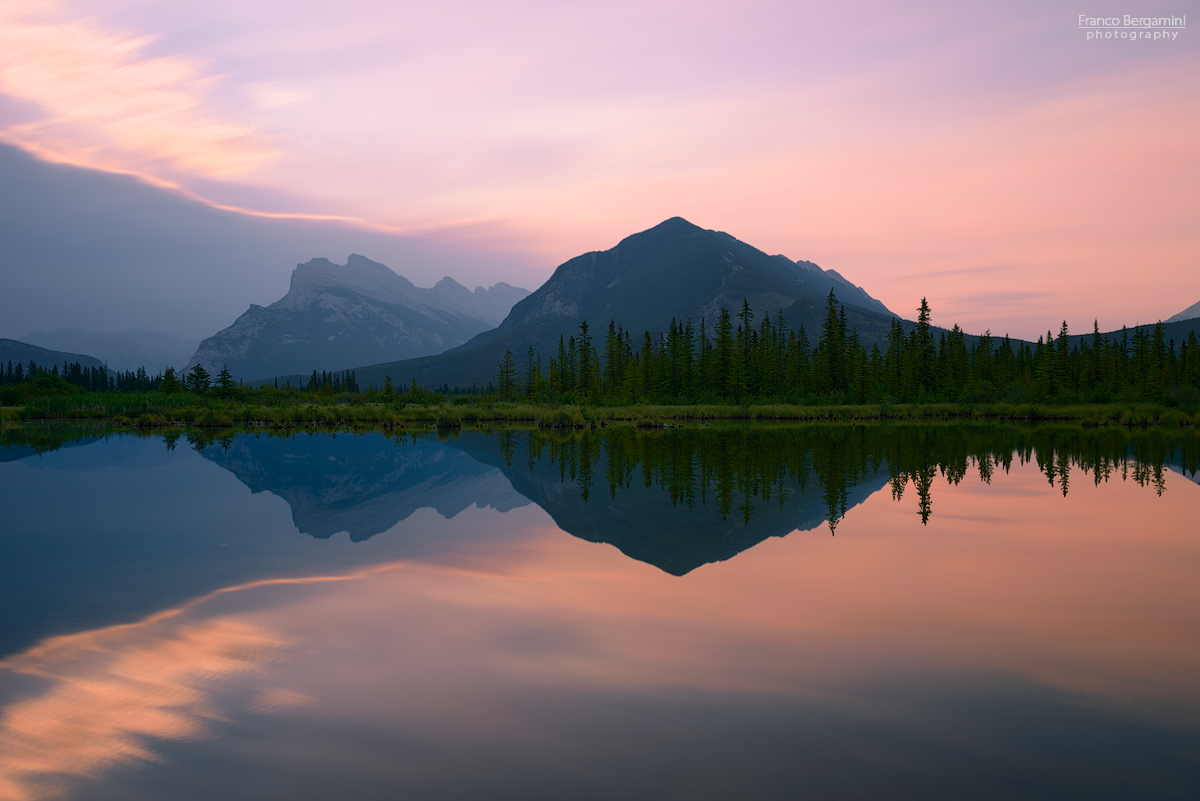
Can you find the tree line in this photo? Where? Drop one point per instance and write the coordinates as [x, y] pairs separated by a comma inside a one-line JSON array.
[[742, 470], [89, 379], [197, 381], [745, 361]]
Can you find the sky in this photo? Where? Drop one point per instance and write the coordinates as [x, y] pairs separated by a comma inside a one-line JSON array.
[[989, 157]]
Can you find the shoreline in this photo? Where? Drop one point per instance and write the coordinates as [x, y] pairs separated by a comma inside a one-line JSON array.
[[147, 412]]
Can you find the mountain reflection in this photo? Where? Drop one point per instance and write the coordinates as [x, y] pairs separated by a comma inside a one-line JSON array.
[[362, 485], [684, 497], [678, 498]]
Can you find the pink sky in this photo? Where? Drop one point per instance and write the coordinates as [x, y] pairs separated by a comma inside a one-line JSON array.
[[989, 157]]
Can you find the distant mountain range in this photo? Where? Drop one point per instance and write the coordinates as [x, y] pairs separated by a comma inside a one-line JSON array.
[[675, 270], [338, 315], [364, 485], [1190, 313], [97, 250], [13, 351], [127, 350]]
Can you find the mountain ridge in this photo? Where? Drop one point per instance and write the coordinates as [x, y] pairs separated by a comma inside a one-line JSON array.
[[13, 350], [1190, 313], [674, 270], [124, 350], [333, 316]]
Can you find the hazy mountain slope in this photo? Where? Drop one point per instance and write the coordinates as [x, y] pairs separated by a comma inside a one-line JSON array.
[[1176, 332], [127, 350], [336, 316], [105, 252], [13, 351], [1190, 313], [675, 270]]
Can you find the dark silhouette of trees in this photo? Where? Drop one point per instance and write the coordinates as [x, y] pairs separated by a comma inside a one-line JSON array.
[[741, 363]]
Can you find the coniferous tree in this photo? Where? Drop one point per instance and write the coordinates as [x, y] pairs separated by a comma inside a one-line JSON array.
[[170, 384], [506, 376], [198, 380], [226, 386]]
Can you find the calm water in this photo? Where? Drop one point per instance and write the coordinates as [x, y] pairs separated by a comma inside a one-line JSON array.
[[894, 612]]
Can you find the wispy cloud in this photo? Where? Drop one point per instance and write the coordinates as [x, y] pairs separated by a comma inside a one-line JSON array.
[[108, 103], [985, 270]]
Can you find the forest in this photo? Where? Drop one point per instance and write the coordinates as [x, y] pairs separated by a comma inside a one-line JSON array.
[[740, 361]]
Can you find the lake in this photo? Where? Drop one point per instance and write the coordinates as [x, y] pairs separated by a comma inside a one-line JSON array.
[[761, 612]]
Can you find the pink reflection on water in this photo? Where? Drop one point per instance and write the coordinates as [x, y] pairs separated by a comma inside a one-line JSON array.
[[1093, 593]]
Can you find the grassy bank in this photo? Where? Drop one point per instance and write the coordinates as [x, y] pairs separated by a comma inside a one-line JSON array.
[[155, 410]]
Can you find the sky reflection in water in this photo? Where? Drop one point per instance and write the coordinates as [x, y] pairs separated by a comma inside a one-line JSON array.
[[1018, 643]]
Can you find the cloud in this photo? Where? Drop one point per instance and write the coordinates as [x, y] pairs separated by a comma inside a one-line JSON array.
[[107, 103], [995, 268], [998, 299]]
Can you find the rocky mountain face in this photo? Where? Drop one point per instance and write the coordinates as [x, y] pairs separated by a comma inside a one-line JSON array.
[[1190, 313], [127, 350], [337, 316], [675, 270]]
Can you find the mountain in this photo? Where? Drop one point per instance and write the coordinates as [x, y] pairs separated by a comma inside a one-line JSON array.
[[127, 350], [90, 249], [675, 270], [338, 315], [1177, 332], [1190, 313], [646, 521], [364, 485], [13, 351]]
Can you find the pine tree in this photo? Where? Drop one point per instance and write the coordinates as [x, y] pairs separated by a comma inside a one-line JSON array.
[[506, 376], [724, 356], [170, 384], [924, 350], [226, 386], [198, 380], [533, 373]]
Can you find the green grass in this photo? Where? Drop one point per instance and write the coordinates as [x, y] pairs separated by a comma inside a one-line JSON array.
[[279, 411]]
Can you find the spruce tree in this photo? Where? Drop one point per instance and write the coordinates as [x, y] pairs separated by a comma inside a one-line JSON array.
[[170, 384], [226, 386], [506, 375], [198, 380]]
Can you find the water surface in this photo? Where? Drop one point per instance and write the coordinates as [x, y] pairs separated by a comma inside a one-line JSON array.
[[838, 612]]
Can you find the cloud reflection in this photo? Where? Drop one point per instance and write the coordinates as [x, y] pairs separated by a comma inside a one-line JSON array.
[[110, 690]]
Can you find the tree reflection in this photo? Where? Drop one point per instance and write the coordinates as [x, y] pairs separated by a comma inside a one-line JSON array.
[[739, 470]]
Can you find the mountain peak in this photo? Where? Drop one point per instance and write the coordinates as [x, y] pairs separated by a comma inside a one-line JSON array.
[[673, 272], [359, 274], [449, 282], [1187, 314], [339, 315]]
